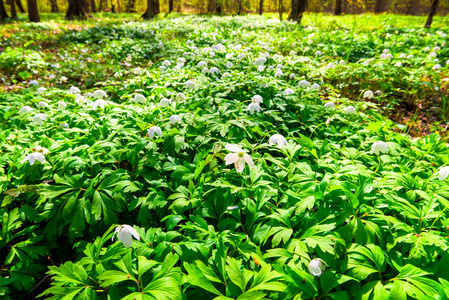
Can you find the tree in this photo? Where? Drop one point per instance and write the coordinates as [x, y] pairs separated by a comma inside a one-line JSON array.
[[92, 6], [20, 6], [281, 10], [3, 13], [298, 9], [77, 9], [377, 6], [13, 9], [152, 9], [170, 6], [54, 6], [337, 10], [432, 12], [130, 6], [33, 13], [261, 7]]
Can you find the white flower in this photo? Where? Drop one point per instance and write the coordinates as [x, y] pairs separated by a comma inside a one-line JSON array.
[[342, 62], [329, 105], [41, 90], [378, 92], [436, 60], [257, 99], [34, 82], [225, 75], [99, 102], [214, 70], [443, 173], [137, 71], [293, 53], [433, 54], [62, 105], [330, 66], [402, 55], [241, 56], [260, 68], [166, 63], [398, 64], [278, 74], [304, 83], [139, 98], [379, 146], [74, 90], [292, 76], [63, 79], [41, 150], [174, 119], [39, 118], [181, 60], [125, 234], [368, 94], [89, 95], [205, 71], [317, 266], [63, 125], [279, 66], [189, 84], [349, 110], [288, 92], [162, 69], [437, 66], [99, 94], [212, 54], [385, 51], [229, 65], [318, 53], [238, 157], [180, 97], [79, 99], [165, 102], [436, 49], [316, 86], [42, 104], [153, 130], [447, 62], [233, 207], [26, 109], [253, 107], [201, 64], [260, 61], [229, 55], [410, 56], [31, 158], [278, 139]]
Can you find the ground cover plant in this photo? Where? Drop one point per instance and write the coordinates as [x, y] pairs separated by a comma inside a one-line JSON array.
[[224, 158]]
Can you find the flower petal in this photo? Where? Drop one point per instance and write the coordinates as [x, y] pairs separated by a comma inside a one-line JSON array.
[[231, 158], [239, 165], [233, 148], [125, 237], [248, 160], [132, 231]]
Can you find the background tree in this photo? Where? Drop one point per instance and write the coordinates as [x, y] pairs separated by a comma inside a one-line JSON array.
[[20, 6], [432, 12], [54, 5], [93, 8], [13, 9], [260, 7], [152, 9], [33, 12], [337, 10], [3, 13], [298, 9], [77, 9], [377, 6], [170, 6], [281, 10]]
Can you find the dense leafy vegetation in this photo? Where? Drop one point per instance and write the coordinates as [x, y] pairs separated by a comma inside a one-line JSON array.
[[250, 159]]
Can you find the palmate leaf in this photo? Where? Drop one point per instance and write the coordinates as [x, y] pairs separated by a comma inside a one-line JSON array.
[[197, 278]]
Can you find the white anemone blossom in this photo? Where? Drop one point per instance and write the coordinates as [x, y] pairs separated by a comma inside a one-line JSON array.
[[378, 147], [278, 74], [165, 102], [99, 94], [368, 94], [80, 99], [229, 65], [349, 110], [74, 90], [238, 157], [278, 139], [288, 92], [26, 109], [175, 119], [41, 90], [329, 105], [166, 63], [253, 107], [153, 130], [292, 76], [99, 102], [39, 119], [205, 71], [180, 97], [189, 84], [62, 105], [443, 173], [137, 71], [317, 266], [201, 64], [214, 70], [31, 158], [304, 83], [257, 99], [125, 234], [42, 104], [316, 86], [139, 98]]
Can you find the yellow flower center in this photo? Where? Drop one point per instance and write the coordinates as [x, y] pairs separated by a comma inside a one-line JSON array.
[[240, 154]]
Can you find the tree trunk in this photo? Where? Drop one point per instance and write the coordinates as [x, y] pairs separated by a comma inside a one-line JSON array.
[[33, 13], [93, 8], [280, 10], [130, 6], [170, 6], [54, 6], [337, 10], [432, 12], [3, 13], [13, 9], [261, 7], [218, 6], [377, 6], [152, 10], [210, 6], [240, 7], [20, 6], [101, 6], [77, 9], [298, 9]]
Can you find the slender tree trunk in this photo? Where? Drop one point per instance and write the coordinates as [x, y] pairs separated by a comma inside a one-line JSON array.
[[93, 8], [170, 6], [218, 4], [3, 13], [13, 9], [260, 7], [280, 10], [152, 10], [33, 13], [411, 7], [118, 6], [77, 9], [100, 8], [432, 12], [130, 6], [54, 6], [377, 6], [210, 6], [20, 6], [337, 10], [240, 7], [298, 9]]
